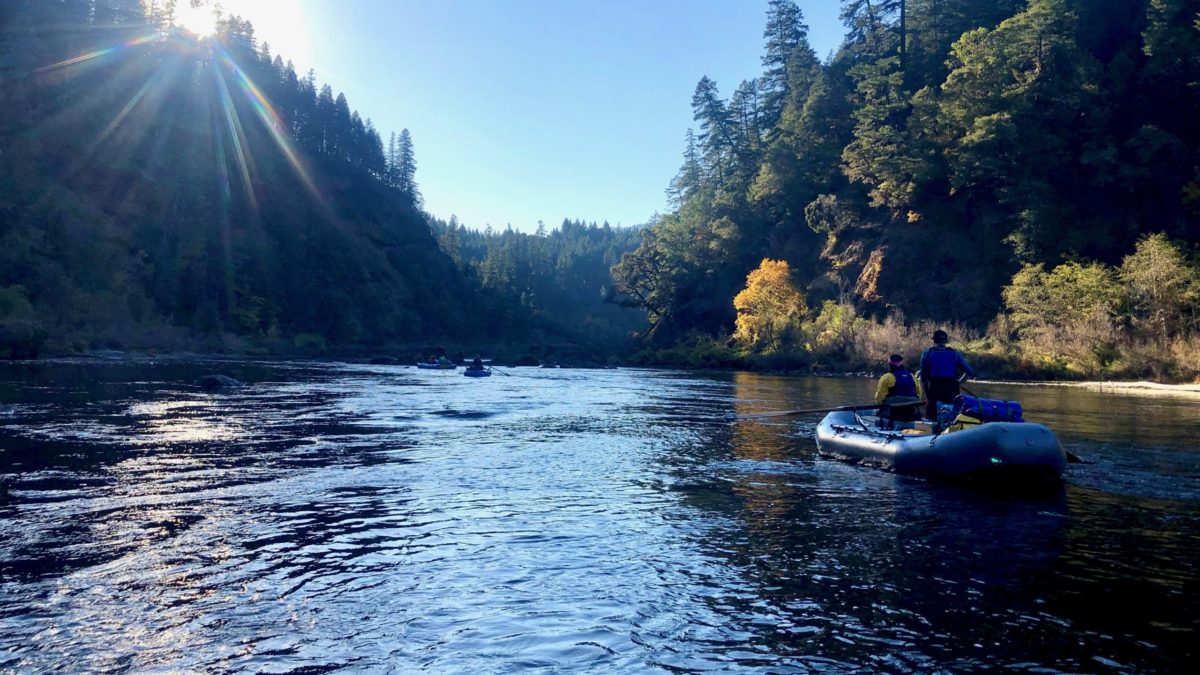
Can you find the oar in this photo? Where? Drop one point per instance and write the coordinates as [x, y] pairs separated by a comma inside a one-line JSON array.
[[1071, 457], [732, 417], [493, 367]]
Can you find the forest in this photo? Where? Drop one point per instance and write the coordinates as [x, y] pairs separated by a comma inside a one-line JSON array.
[[556, 282], [161, 191], [1025, 174]]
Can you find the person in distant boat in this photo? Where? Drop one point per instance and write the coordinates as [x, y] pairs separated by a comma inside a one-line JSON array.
[[941, 367], [477, 364], [895, 387], [443, 361]]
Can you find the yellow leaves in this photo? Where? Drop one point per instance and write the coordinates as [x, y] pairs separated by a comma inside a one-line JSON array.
[[867, 286], [770, 309]]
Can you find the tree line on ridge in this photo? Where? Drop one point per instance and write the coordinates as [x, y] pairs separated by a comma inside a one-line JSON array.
[[921, 171]]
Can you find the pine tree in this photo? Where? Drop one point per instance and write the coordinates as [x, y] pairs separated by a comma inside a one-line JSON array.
[[716, 136], [390, 178], [406, 167], [785, 34], [691, 175], [1015, 108]]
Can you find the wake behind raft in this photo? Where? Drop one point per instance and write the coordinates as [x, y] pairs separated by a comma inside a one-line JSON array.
[[974, 447]]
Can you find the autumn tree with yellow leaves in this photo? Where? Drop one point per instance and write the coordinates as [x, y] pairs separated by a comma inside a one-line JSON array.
[[771, 308]]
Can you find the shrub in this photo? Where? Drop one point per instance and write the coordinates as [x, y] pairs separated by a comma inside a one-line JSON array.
[[21, 339], [1163, 290], [310, 344], [1067, 314]]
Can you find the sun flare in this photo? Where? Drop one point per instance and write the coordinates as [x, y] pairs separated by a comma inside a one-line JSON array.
[[201, 20], [281, 23]]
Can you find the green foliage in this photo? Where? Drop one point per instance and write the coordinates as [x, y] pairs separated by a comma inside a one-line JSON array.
[[1162, 287], [1069, 294], [1011, 94], [825, 215], [1068, 315], [21, 338], [147, 199], [310, 344], [947, 145], [787, 57], [559, 281], [832, 332]]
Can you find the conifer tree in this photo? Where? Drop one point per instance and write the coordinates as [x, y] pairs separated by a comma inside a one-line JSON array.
[[406, 167], [691, 174], [785, 35], [716, 134]]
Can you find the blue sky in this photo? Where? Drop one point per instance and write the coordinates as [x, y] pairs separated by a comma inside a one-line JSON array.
[[527, 110]]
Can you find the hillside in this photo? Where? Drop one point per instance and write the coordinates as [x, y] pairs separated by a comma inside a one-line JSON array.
[[158, 190], [1031, 169]]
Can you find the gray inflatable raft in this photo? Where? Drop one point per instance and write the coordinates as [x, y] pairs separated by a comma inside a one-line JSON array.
[[996, 450]]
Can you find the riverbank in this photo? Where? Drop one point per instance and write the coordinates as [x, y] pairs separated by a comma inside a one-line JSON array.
[[1142, 388], [866, 349], [557, 353]]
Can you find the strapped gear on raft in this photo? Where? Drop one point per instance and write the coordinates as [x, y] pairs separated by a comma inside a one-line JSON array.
[[988, 410]]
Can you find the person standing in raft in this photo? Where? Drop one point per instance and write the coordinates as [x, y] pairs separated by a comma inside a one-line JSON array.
[[940, 369], [895, 387]]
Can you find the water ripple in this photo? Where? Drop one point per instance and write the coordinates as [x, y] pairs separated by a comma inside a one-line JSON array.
[[348, 517]]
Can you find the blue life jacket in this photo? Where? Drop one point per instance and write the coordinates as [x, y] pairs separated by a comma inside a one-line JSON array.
[[905, 385], [941, 362]]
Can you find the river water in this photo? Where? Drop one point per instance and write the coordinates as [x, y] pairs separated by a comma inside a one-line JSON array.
[[383, 518]]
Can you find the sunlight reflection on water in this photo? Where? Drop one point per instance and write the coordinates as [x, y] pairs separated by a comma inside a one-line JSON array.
[[377, 517]]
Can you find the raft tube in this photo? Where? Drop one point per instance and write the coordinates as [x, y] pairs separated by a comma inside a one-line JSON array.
[[996, 450], [436, 366], [471, 372]]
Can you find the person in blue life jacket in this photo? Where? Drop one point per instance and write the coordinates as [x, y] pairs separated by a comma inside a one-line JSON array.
[[941, 367], [895, 387]]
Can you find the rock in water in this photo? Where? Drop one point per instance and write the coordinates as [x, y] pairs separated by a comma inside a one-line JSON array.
[[214, 382]]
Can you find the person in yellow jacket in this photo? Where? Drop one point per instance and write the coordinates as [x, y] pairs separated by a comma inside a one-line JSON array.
[[895, 387]]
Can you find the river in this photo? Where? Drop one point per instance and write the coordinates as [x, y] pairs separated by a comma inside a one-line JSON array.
[[334, 516]]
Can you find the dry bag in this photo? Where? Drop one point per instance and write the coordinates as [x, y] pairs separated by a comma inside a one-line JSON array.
[[988, 410]]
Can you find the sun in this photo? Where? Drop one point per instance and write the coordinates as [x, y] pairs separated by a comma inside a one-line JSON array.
[[200, 21], [281, 23]]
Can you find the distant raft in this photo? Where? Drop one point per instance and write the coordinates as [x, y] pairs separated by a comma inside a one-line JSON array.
[[1007, 451], [481, 372], [437, 366]]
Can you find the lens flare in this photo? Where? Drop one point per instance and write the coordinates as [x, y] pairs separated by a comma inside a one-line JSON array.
[[100, 52], [236, 135], [275, 126]]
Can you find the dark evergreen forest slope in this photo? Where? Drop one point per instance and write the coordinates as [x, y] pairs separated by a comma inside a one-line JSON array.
[[158, 190], [557, 281]]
